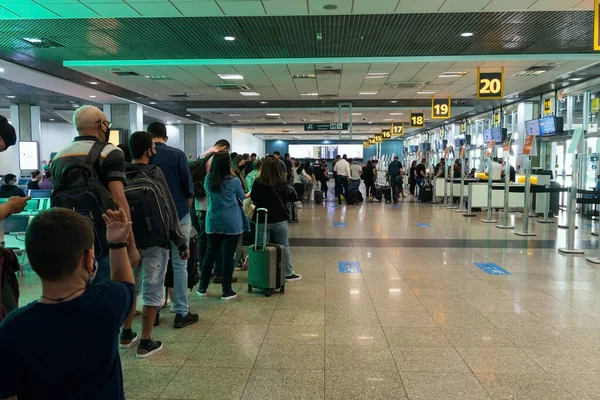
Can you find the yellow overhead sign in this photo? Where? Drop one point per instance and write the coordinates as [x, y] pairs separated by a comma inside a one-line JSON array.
[[440, 108], [497, 118], [378, 138], [398, 130], [366, 143], [490, 85], [548, 106], [417, 120], [386, 133]]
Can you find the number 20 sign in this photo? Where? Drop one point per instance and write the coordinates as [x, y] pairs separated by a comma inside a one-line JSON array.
[[490, 85]]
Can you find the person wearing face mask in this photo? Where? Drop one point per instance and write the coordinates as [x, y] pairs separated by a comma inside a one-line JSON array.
[[155, 224], [109, 167], [10, 188], [73, 327]]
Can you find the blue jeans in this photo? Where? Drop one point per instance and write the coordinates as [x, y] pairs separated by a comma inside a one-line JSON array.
[[180, 276], [278, 231], [150, 275], [420, 184]]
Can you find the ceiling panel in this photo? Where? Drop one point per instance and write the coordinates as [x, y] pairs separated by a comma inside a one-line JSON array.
[[463, 5], [374, 7], [197, 8]]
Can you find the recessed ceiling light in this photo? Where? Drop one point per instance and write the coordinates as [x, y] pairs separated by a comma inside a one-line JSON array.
[[93, 83], [387, 119], [314, 120], [51, 119], [356, 114], [231, 76], [145, 112], [1, 70], [11, 97], [264, 102], [396, 113], [466, 34], [575, 79], [233, 115], [178, 120], [368, 93], [285, 123], [309, 94], [75, 105], [370, 122], [229, 38], [377, 75], [330, 7], [188, 115], [452, 74], [32, 40], [250, 93], [394, 101], [92, 97], [427, 92], [153, 102], [211, 123], [273, 114], [472, 113]]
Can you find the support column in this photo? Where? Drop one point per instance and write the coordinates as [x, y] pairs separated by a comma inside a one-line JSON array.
[[136, 118], [192, 135], [27, 123], [119, 116]]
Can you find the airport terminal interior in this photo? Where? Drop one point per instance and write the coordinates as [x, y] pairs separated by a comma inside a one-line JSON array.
[[462, 283]]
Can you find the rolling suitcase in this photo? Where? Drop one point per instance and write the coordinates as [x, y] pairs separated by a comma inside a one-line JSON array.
[[318, 196], [352, 197], [388, 194], [266, 262], [427, 196], [378, 193]]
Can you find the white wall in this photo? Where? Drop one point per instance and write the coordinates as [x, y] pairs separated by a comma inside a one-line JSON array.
[[247, 143], [175, 135], [55, 136]]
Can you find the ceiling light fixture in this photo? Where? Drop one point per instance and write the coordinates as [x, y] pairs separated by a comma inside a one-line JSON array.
[[1, 70], [188, 115], [178, 120], [466, 34], [11, 97], [427, 92], [93, 83], [575, 79], [229, 38], [92, 97], [153, 102], [330, 7], [370, 122], [368, 93], [76, 105], [230, 76], [145, 112], [250, 93], [356, 114], [32, 40], [394, 101], [309, 94], [273, 114], [233, 115], [264, 102], [452, 74], [396, 113], [387, 119], [377, 75], [51, 119]]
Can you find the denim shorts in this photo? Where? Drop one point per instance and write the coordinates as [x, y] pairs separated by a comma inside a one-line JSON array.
[[150, 275]]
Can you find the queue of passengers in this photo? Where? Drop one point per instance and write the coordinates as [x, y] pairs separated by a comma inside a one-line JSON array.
[[93, 270]]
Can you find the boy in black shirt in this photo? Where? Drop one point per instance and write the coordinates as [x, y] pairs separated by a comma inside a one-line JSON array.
[[65, 345]]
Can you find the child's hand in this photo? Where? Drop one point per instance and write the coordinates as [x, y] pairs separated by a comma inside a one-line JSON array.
[[117, 226]]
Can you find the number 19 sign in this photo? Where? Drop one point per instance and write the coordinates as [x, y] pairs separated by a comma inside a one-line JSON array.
[[490, 85], [440, 108]]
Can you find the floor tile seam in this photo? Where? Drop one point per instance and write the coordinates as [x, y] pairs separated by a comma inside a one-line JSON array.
[[190, 353], [384, 334], [259, 349]]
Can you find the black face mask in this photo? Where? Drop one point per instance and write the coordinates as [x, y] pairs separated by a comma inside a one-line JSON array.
[[151, 156]]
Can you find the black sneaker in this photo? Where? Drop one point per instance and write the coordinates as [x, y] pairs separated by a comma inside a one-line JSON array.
[[293, 278], [183, 321], [228, 296], [201, 292], [128, 339], [157, 319], [148, 347]]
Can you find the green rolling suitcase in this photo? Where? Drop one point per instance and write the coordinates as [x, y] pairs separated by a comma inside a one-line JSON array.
[[266, 262]]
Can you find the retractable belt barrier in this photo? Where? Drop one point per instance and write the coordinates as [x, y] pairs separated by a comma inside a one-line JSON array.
[[534, 189]]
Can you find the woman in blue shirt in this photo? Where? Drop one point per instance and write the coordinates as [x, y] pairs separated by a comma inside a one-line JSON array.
[[225, 222]]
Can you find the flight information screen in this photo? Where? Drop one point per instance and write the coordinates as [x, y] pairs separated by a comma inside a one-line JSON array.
[[318, 151]]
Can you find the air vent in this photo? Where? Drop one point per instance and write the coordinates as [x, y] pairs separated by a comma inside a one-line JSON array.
[[304, 76], [407, 85], [193, 94], [179, 96], [125, 73], [534, 71], [295, 138], [328, 72], [231, 86], [159, 77]]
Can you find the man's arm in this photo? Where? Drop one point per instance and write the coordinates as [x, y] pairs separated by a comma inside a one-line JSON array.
[[14, 205], [118, 230]]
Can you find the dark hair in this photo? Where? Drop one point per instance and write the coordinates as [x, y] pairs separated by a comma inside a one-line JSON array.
[[55, 241], [345, 157], [233, 155], [276, 153], [126, 153], [296, 163], [414, 163], [9, 177], [253, 155], [235, 161], [47, 174], [350, 160], [338, 156], [158, 130], [257, 164], [423, 160], [270, 173], [139, 143], [223, 143], [220, 169], [369, 164], [35, 173]]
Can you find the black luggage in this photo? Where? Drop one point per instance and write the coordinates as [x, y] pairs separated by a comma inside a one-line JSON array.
[[293, 212], [193, 266], [387, 191], [318, 196], [352, 197], [554, 200], [378, 193], [427, 196], [360, 196]]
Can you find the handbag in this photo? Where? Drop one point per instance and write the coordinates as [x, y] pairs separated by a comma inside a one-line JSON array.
[[286, 210], [248, 208]]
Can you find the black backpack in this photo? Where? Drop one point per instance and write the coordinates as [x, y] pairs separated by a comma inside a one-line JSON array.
[[198, 170], [78, 188], [149, 215]]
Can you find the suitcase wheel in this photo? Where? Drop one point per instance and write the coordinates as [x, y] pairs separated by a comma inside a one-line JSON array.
[[282, 289], [267, 292], [249, 289]]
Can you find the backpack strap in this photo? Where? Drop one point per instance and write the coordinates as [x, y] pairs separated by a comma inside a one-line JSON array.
[[148, 169], [95, 152]]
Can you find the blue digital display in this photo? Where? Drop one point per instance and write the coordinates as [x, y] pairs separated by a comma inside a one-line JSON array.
[[533, 127], [487, 135], [498, 134], [547, 126]]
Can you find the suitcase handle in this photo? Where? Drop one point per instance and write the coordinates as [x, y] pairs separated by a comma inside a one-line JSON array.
[[258, 212]]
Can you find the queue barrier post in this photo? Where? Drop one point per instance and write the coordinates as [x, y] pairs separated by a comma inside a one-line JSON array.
[[461, 203], [451, 205], [469, 213], [571, 207], [527, 204], [489, 219], [546, 219], [445, 204], [505, 224]]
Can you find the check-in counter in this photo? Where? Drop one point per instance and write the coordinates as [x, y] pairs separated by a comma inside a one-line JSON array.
[[438, 187], [479, 196]]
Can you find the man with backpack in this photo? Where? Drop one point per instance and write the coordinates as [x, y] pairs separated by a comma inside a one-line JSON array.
[[174, 166], [155, 225], [89, 177], [200, 169], [394, 174]]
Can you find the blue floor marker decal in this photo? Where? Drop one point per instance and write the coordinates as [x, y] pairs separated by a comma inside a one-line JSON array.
[[349, 267], [339, 224], [396, 206], [491, 268], [423, 225]]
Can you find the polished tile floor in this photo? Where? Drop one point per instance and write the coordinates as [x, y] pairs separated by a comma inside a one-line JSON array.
[[420, 322]]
